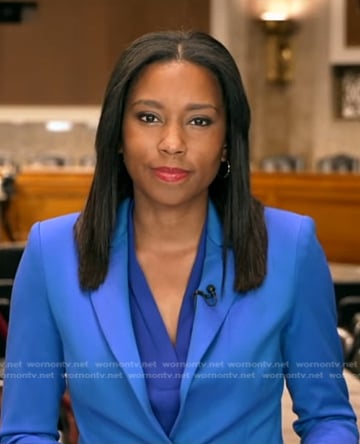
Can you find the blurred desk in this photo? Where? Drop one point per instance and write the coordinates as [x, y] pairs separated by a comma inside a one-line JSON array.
[[346, 279], [42, 193], [345, 273], [332, 200]]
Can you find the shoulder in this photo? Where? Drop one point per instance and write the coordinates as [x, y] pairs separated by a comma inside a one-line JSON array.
[[57, 231], [283, 218], [50, 250], [65, 221], [296, 258], [287, 224], [291, 235]]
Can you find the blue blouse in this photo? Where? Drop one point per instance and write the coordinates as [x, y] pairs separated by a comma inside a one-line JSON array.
[[163, 363]]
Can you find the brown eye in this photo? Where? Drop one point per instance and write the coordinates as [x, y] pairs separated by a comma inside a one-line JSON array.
[[148, 117], [200, 121]]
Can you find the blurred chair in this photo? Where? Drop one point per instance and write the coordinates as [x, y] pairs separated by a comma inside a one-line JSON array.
[[10, 255], [349, 331], [8, 172], [7, 180], [8, 166], [353, 362], [282, 163], [88, 160], [7, 160], [342, 163], [45, 159], [347, 342], [347, 307]]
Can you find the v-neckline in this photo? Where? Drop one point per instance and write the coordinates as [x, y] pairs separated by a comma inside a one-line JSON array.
[[147, 306]]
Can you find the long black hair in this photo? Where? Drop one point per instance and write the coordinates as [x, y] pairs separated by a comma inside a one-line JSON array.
[[242, 215]]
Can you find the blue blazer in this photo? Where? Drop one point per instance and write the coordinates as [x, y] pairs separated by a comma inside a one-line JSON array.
[[242, 350]]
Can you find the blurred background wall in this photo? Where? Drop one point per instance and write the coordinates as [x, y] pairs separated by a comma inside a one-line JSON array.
[[56, 62]]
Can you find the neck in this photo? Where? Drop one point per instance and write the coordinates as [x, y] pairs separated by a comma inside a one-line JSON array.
[[168, 229]]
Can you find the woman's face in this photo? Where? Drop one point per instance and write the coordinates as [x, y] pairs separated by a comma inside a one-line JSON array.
[[174, 133]]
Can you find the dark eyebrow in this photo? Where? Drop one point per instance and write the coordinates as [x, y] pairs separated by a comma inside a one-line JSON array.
[[190, 107], [147, 102], [201, 106]]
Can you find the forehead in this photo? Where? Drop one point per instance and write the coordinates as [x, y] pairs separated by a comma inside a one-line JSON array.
[[176, 75]]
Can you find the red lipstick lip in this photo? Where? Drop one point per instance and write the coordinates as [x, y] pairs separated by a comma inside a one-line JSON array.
[[168, 174]]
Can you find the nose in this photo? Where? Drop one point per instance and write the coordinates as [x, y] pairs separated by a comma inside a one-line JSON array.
[[172, 139]]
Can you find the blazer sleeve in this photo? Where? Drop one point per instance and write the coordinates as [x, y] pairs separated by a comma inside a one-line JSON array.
[[313, 352], [34, 369]]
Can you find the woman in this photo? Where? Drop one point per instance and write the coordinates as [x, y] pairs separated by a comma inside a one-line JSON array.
[[175, 307]]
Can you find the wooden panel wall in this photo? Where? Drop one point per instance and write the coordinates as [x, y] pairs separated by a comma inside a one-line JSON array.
[[352, 21], [332, 200], [64, 52], [42, 195]]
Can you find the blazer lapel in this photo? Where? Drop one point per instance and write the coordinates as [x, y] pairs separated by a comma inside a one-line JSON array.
[[112, 308], [111, 304], [209, 319]]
